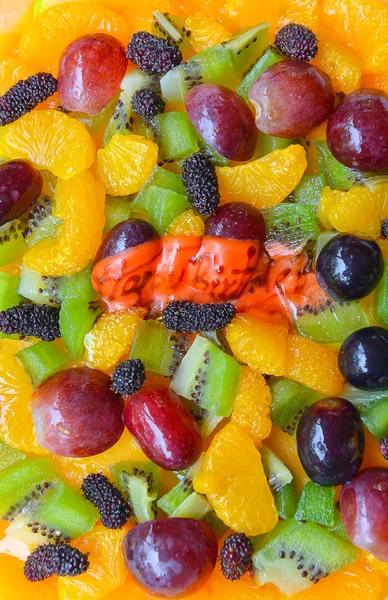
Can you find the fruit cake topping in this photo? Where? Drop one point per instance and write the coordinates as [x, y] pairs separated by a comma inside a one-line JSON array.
[[190, 317], [200, 180], [109, 501], [297, 41], [236, 556], [146, 104], [29, 319], [152, 53], [128, 377], [55, 559], [25, 95]]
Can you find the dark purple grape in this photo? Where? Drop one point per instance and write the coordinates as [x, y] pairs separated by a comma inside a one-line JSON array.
[[349, 267], [20, 187], [330, 441], [364, 502], [291, 99], [363, 359], [223, 119], [90, 72], [171, 556], [126, 235], [77, 414], [357, 131], [237, 221]]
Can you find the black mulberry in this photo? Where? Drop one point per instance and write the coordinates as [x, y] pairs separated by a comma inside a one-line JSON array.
[[200, 180], [236, 556], [109, 501], [55, 559], [128, 377], [152, 53], [146, 104], [25, 95], [384, 229], [29, 319], [190, 317], [384, 448], [297, 41]]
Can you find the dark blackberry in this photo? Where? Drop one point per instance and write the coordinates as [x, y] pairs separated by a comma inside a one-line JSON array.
[[146, 104], [55, 559], [384, 448], [152, 53], [25, 95], [128, 377], [236, 556], [29, 319], [190, 317], [384, 229], [297, 41], [200, 180], [109, 501]]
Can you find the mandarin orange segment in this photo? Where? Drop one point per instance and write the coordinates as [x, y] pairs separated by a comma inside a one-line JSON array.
[[12, 69], [284, 446], [313, 365], [125, 164], [187, 223], [107, 570], [15, 15], [205, 30], [266, 181], [15, 586], [247, 13], [378, 81], [233, 479], [341, 64], [111, 338], [142, 9], [79, 202], [305, 12], [252, 405], [51, 140], [260, 345], [54, 29], [227, 590]]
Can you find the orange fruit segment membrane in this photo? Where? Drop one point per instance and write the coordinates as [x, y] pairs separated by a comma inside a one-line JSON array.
[[205, 31], [15, 585], [343, 65]]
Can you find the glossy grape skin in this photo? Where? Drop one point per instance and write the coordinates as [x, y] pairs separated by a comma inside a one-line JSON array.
[[76, 413], [357, 131], [223, 119], [364, 502], [350, 267], [172, 556], [291, 98], [20, 186], [363, 359], [126, 235], [330, 441], [237, 221], [90, 72], [163, 427]]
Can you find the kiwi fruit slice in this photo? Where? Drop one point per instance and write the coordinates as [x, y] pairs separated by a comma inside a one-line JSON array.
[[308, 191], [171, 501], [117, 210], [196, 506], [338, 176], [373, 408], [175, 136], [163, 206], [172, 28], [381, 298], [316, 505], [160, 350], [208, 377], [9, 455], [139, 482], [286, 501], [269, 143], [38, 288], [289, 399], [295, 555], [275, 470], [323, 239], [8, 291], [43, 360], [160, 178], [38, 223], [12, 243], [338, 527], [289, 227], [270, 57]]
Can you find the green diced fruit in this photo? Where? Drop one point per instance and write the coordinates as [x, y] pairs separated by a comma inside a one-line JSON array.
[[381, 298], [338, 176], [172, 28], [12, 244], [117, 210], [322, 240], [289, 399], [338, 527], [195, 506], [269, 143], [9, 455], [139, 482], [38, 288], [295, 555], [175, 135], [289, 227], [207, 423], [160, 178], [270, 57], [308, 191], [218, 375], [217, 159], [160, 350], [316, 504], [275, 470], [163, 206], [171, 501], [8, 291], [373, 408], [43, 360], [286, 501]]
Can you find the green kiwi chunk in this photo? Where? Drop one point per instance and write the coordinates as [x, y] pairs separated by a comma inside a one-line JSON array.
[[308, 191], [39, 222], [171, 501], [338, 176], [338, 527], [381, 298], [373, 408], [38, 288], [117, 210], [289, 227], [160, 178], [323, 239], [175, 135], [163, 206], [139, 482], [208, 377], [316, 505], [43, 360], [9, 455], [270, 57], [286, 501], [275, 470], [8, 291], [196, 506], [172, 28], [289, 399], [12, 243], [160, 350], [295, 555], [269, 143]]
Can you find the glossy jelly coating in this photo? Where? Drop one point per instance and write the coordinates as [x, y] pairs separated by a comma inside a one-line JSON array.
[[364, 502], [169, 557], [330, 441], [291, 98], [357, 131], [20, 186], [237, 221], [223, 119], [127, 234], [77, 414], [350, 267], [363, 359], [90, 72]]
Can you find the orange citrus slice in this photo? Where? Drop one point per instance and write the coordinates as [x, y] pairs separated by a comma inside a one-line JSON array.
[[356, 211], [205, 30]]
